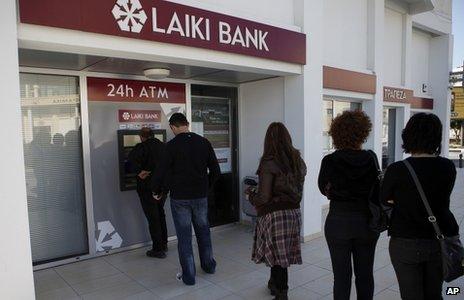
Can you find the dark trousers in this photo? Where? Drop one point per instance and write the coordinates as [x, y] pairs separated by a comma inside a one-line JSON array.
[[154, 212], [185, 213], [418, 267], [352, 247], [279, 277]]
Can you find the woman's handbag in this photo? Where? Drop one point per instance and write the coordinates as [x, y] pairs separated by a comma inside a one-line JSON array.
[[380, 214], [452, 251]]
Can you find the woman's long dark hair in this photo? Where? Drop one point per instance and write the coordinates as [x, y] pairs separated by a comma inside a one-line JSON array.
[[278, 146]]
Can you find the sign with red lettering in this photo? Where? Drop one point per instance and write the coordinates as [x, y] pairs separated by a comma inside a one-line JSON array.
[[396, 95], [168, 22], [122, 90], [137, 116], [399, 95]]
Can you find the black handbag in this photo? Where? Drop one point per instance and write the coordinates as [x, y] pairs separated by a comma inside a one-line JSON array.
[[380, 214], [452, 252]]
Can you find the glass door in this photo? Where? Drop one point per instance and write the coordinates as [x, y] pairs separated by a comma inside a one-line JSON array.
[[51, 122], [388, 136], [212, 117]]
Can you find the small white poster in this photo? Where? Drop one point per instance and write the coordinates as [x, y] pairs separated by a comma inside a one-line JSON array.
[[224, 157]]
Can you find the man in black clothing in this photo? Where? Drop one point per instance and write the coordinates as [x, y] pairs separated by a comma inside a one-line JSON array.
[[187, 159], [145, 158]]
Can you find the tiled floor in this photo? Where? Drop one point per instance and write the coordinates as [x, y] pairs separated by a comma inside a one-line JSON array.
[[131, 275]]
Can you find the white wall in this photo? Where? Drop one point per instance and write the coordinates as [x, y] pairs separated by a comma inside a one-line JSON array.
[[303, 111], [393, 48], [437, 21], [376, 31], [16, 280], [444, 8], [261, 103], [441, 56], [269, 11], [420, 62], [275, 10], [345, 34]]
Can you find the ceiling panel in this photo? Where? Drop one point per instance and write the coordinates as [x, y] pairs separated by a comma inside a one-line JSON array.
[[136, 67], [68, 61], [56, 60], [233, 77]]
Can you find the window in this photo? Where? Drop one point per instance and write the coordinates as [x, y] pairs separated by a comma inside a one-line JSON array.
[[53, 160], [388, 136], [332, 108]]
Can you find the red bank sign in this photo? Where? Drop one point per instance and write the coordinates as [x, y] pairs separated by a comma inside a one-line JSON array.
[[123, 90], [136, 116], [168, 22]]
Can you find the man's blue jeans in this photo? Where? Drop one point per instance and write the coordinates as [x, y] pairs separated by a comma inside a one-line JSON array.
[[185, 213]]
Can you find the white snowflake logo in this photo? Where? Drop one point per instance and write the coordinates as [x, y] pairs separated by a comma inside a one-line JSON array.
[[130, 15], [126, 116]]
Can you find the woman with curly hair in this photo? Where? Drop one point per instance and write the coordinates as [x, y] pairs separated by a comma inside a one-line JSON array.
[[346, 179], [277, 235]]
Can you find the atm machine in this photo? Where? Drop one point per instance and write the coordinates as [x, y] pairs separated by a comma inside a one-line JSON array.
[[127, 140]]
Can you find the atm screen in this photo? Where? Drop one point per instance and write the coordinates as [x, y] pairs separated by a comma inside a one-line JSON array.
[[127, 140], [131, 140]]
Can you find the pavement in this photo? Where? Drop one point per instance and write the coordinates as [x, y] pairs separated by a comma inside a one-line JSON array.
[[131, 275]]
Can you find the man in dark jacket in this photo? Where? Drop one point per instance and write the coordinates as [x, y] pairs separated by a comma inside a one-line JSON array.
[[145, 158], [188, 159]]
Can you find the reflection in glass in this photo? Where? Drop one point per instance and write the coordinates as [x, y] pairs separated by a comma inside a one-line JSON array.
[[212, 118], [53, 161], [388, 136]]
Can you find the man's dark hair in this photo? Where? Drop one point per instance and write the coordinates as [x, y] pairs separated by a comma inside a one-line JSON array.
[[146, 133], [423, 134], [178, 120]]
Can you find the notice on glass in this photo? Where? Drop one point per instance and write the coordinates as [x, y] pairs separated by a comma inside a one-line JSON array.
[[197, 127], [224, 157]]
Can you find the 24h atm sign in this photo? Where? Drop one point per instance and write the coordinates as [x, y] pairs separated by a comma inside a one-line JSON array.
[[168, 22]]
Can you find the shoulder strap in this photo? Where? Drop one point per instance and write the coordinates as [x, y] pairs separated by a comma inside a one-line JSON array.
[[376, 161], [432, 219]]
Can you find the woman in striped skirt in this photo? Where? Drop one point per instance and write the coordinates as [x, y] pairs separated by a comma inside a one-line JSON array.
[[277, 200]]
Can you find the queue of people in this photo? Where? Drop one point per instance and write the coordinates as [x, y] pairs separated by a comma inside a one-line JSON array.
[[187, 168]]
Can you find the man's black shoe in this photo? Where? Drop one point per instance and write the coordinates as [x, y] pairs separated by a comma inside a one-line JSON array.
[[156, 254]]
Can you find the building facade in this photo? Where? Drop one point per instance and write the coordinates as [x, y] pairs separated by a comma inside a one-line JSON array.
[[75, 93]]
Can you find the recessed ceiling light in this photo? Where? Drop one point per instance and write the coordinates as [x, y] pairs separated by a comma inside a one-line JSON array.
[[157, 73]]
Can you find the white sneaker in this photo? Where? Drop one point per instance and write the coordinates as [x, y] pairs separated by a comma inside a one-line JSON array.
[[179, 276]]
